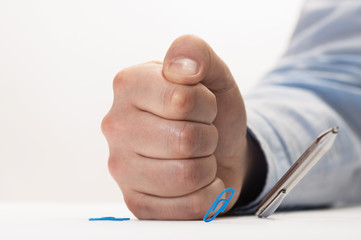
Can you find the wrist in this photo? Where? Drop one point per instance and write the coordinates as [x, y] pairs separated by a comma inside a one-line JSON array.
[[255, 176]]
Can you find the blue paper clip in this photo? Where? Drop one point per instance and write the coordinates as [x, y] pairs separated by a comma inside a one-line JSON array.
[[108, 219], [216, 202]]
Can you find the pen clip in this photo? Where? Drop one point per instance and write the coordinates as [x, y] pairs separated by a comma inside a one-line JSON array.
[[272, 206]]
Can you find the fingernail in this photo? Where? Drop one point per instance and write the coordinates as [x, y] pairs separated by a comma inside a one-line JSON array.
[[184, 66]]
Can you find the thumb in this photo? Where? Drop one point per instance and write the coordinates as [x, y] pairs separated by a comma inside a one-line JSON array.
[[190, 60]]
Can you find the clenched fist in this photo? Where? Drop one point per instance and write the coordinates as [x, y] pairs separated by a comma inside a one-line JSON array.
[[177, 133]]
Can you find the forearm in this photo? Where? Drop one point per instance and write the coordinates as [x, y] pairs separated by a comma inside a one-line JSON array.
[[316, 85], [285, 130]]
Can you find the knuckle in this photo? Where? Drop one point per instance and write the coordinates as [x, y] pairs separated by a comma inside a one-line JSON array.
[[120, 80], [114, 127], [117, 169], [108, 125], [137, 204], [196, 205], [182, 101], [186, 140], [113, 167], [187, 176]]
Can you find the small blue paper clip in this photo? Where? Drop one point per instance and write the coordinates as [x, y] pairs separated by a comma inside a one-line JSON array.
[[108, 219], [216, 202]]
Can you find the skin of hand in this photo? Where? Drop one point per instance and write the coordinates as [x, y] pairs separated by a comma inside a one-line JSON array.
[[177, 133]]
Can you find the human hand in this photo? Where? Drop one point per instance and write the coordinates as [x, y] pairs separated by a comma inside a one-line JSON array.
[[177, 133]]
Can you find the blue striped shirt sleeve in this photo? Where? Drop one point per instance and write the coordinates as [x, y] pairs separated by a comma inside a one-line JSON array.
[[316, 85]]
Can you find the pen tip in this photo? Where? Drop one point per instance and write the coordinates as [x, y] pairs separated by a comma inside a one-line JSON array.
[[335, 130]]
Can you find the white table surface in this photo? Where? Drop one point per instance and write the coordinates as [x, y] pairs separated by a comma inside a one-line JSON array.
[[70, 221]]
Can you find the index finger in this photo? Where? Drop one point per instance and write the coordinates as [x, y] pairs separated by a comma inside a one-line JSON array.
[[150, 91]]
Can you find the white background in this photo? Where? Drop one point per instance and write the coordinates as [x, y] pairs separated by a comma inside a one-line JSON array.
[[57, 62]]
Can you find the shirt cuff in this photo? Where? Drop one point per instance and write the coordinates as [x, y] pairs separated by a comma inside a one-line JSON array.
[[270, 142]]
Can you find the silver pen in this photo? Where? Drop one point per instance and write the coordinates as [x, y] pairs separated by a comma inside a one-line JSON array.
[[298, 170]]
